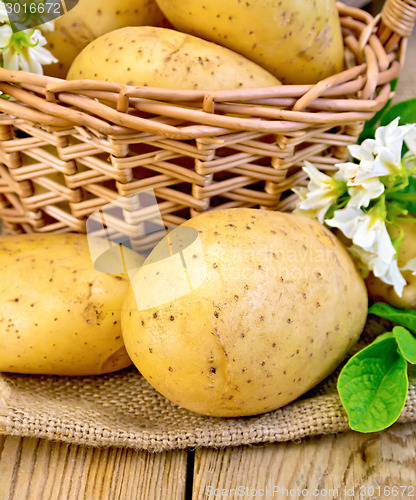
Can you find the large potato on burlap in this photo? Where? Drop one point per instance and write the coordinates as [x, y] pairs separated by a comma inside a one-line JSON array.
[[58, 315], [266, 306]]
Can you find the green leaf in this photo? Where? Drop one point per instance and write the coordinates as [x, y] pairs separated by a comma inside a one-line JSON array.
[[407, 196], [387, 335], [404, 317], [373, 386], [393, 84], [405, 109], [406, 342]]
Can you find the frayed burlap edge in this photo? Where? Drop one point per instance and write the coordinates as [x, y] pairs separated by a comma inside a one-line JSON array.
[[5, 392], [123, 410]]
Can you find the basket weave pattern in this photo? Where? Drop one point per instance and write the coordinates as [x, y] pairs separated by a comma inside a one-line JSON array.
[[68, 148]]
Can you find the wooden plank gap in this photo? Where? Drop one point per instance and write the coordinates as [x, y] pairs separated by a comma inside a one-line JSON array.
[[190, 470]]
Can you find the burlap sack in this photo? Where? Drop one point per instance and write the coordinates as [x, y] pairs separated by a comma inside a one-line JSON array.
[[122, 409]]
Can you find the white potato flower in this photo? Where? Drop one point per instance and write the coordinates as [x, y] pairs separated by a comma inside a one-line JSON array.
[[363, 184], [371, 246], [388, 272], [6, 33], [380, 156], [4, 18], [391, 138], [367, 231], [410, 140], [372, 235], [362, 194], [410, 266], [377, 158], [321, 193], [24, 50], [409, 158], [301, 193], [362, 189], [347, 220]]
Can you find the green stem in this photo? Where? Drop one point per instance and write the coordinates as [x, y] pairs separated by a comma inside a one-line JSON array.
[[397, 188], [13, 26], [407, 219], [403, 196]]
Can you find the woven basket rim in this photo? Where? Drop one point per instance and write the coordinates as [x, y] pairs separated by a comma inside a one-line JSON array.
[[407, 15], [376, 47]]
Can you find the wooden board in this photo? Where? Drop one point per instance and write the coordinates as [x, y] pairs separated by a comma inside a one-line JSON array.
[[36, 469], [348, 465]]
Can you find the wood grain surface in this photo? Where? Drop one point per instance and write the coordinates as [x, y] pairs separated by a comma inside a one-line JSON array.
[[347, 465], [36, 469]]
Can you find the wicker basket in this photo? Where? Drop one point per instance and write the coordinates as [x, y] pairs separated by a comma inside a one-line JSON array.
[[68, 148]]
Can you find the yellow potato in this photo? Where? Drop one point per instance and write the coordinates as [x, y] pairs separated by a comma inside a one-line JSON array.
[[88, 20], [161, 57], [298, 41], [268, 305], [58, 315], [380, 291]]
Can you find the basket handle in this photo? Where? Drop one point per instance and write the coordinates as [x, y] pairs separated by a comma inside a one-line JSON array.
[[397, 21]]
